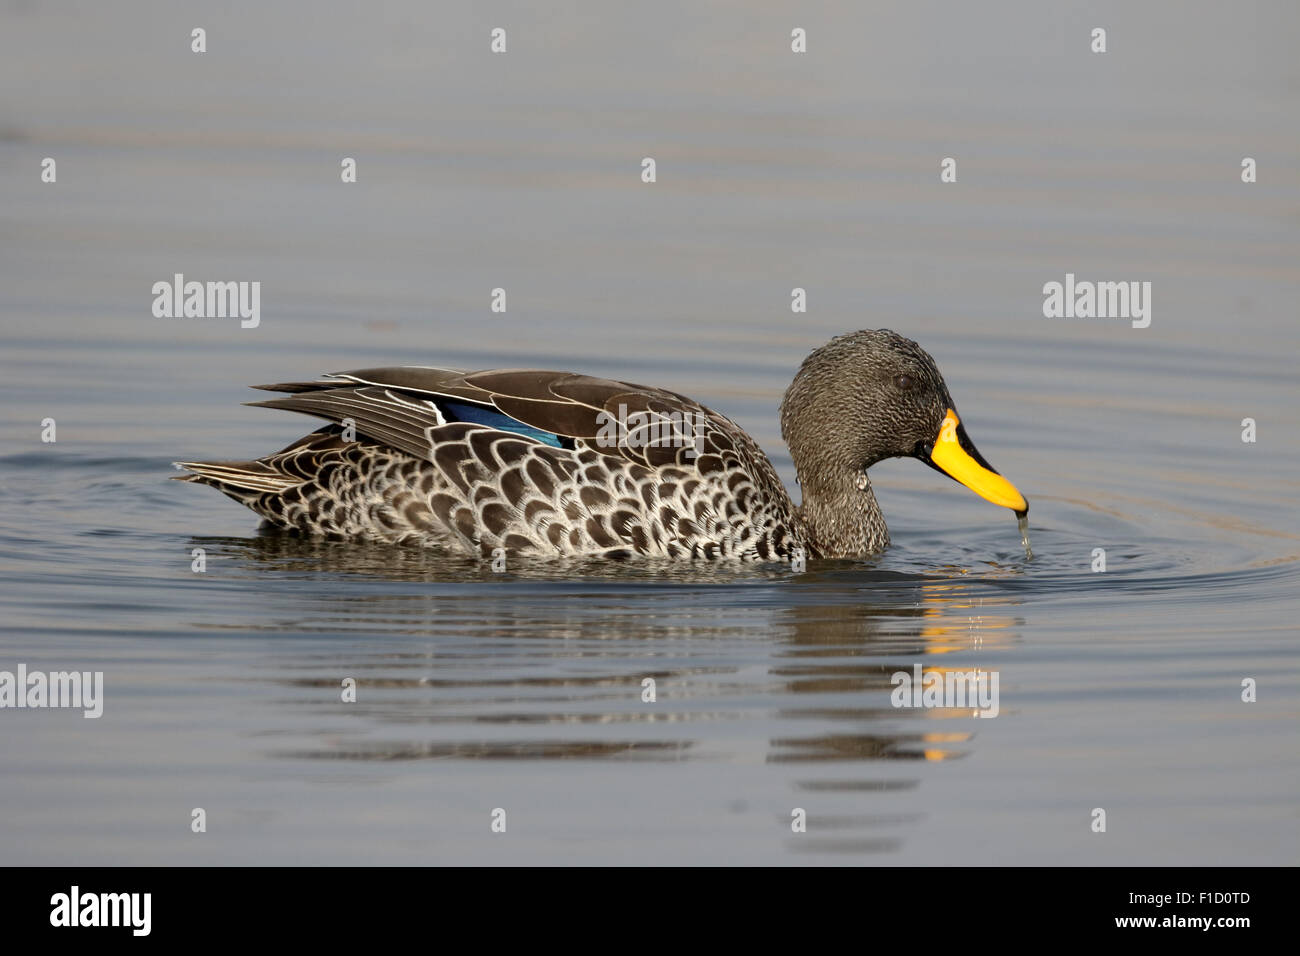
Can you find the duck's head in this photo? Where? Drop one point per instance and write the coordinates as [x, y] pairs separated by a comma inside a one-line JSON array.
[[871, 395]]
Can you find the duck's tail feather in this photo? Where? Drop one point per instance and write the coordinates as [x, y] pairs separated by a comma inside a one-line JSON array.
[[237, 478], [246, 481]]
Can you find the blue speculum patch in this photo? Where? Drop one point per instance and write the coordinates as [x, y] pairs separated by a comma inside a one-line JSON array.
[[455, 411]]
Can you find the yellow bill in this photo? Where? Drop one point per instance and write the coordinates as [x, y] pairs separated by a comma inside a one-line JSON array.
[[956, 457]]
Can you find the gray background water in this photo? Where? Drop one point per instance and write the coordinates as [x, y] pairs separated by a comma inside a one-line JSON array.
[[522, 691]]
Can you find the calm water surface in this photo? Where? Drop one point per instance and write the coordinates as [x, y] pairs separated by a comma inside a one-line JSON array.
[[522, 690]]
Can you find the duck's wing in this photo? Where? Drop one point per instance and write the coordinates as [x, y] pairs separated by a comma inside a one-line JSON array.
[[642, 424]]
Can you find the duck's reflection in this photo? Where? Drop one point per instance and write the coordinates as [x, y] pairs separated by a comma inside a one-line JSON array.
[[275, 550], [839, 661], [602, 661]]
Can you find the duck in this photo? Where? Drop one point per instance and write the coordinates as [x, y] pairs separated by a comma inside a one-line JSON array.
[[546, 463]]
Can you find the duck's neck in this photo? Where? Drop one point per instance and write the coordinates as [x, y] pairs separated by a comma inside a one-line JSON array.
[[842, 515]]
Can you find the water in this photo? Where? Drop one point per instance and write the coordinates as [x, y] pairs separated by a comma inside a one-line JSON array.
[[1119, 689]]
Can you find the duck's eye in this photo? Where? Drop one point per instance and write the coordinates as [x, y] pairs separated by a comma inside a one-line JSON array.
[[903, 381]]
